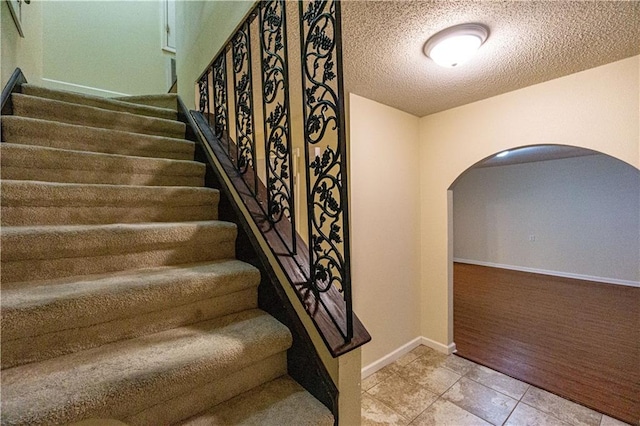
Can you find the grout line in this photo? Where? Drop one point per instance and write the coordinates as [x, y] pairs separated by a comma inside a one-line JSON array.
[[546, 412], [512, 411], [388, 406], [495, 390], [421, 412]]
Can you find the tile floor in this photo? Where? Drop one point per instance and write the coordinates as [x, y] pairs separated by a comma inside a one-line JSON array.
[[425, 387]]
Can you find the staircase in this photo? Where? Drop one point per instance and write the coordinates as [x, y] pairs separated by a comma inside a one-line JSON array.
[[121, 297]]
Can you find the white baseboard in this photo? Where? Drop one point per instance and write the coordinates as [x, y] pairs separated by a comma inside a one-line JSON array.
[[391, 357], [63, 85], [405, 349], [445, 349], [602, 280]]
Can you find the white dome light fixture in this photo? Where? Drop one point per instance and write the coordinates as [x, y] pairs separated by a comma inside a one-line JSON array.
[[455, 45]]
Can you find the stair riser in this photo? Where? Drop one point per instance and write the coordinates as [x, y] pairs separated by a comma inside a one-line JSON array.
[[45, 346], [29, 255], [167, 100], [197, 400], [20, 162], [61, 305], [105, 103], [122, 379], [30, 216], [28, 131], [83, 176], [29, 270], [45, 109], [27, 203]]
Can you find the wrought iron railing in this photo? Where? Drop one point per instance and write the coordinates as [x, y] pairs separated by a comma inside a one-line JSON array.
[[318, 243]]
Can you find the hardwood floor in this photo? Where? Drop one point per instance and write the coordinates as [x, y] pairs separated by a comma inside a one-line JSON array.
[[577, 339]]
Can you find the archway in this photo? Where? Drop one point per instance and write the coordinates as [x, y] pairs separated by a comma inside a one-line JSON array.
[[534, 235]]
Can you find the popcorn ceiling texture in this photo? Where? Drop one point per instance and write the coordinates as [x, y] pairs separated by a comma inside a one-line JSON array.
[[529, 42]]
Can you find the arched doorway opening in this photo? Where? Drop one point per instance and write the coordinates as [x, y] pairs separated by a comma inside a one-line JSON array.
[[545, 277]]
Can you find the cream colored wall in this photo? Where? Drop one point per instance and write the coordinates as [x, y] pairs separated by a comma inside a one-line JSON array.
[[104, 47], [584, 213], [596, 109], [202, 29], [385, 224], [26, 52]]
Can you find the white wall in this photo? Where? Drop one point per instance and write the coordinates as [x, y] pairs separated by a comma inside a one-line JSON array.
[[25, 53], [202, 29], [104, 47], [385, 224], [584, 213], [596, 109]]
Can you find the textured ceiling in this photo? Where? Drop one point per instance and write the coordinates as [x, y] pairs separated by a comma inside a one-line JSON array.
[[529, 42]]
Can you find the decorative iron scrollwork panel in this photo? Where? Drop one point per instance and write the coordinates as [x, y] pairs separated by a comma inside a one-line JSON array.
[[324, 132], [220, 105], [203, 94], [241, 57], [277, 123]]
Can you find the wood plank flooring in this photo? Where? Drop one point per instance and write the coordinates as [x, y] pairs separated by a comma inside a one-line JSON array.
[[577, 339]]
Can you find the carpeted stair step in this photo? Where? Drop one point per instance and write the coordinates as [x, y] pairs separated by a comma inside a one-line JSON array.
[[99, 102], [25, 162], [279, 402], [47, 252], [53, 134], [45, 319], [138, 380], [47, 109], [166, 100], [29, 203]]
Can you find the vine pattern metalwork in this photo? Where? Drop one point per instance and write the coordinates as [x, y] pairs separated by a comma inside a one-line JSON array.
[[241, 55], [277, 130], [324, 131], [203, 94], [220, 105]]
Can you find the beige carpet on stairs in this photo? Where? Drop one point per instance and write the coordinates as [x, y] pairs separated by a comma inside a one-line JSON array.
[[121, 297]]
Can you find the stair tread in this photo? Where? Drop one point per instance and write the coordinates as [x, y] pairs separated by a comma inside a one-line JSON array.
[[279, 402], [81, 160], [43, 306], [24, 193], [124, 377], [27, 253], [54, 134], [98, 102], [38, 203], [35, 242], [36, 107], [168, 100]]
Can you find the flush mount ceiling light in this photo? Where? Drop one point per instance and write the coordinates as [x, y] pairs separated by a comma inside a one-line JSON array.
[[455, 45]]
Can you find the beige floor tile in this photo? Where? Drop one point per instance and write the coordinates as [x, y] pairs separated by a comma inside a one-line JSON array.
[[435, 379], [444, 413], [498, 381], [375, 413], [485, 403], [458, 364], [407, 358], [429, 355], [403, 396], [525, 415], [378, 376], [609, 421], [561, 408]]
